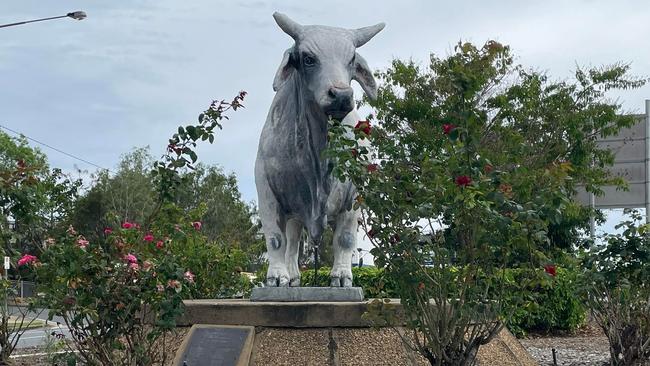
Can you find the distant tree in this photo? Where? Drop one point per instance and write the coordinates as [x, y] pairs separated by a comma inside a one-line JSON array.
[[127, 195], [34, 200], [227, 216], [130, 195]]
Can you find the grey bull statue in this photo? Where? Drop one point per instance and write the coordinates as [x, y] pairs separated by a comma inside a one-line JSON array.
[[295, 187]]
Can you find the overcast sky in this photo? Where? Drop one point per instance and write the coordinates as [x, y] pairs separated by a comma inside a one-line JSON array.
[[133, 71]]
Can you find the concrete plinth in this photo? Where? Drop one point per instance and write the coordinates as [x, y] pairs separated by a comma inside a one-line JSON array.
[[279, 314], [320, 294]]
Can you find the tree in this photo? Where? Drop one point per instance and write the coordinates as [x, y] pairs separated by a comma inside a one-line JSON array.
[[227, 217], [34, 200], [472, 160], [130, 195]]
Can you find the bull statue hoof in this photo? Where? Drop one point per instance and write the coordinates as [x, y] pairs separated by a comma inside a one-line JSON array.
[[295, 186], [341, 282], [277, 277]]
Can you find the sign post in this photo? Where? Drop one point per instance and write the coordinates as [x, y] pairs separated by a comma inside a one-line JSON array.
[[647, 161], [6, 272]]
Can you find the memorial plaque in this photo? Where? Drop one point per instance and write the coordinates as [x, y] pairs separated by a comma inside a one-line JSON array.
[[214, 345]]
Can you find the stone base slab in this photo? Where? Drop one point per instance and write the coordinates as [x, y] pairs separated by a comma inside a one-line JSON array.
[[279, 314], [298, 294]]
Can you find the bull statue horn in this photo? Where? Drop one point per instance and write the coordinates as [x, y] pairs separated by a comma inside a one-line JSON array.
[[361, 36], [287, 25]]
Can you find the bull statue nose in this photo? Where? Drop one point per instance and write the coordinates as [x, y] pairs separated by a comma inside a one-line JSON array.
[[341, 101], [340, 94]]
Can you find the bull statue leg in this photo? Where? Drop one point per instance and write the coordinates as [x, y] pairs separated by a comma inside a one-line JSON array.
[[293, 231], [345, 243], [276, 241]]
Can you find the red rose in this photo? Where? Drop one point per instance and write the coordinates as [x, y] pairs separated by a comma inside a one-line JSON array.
[[363, 126], [159, 244], [447, 128], [127, 225], [550, 269], [463, 181], [108, 231], [372, 168], [371, 233]]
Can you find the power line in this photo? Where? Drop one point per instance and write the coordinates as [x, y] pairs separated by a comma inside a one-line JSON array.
[[53, 148]]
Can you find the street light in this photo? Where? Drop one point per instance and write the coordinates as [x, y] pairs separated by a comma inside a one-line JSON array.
[[77, 15]]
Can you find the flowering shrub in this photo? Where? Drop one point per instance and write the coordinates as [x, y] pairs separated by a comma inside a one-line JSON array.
[[471, 163], [617, 292], [107, 293], [121, 294]]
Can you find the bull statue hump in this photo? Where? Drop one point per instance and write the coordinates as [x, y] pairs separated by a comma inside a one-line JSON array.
[[295, 188]]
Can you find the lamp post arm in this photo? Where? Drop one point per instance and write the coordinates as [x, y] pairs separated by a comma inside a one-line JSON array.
[[33, 21]]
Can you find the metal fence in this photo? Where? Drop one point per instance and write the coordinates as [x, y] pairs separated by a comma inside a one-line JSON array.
[[23, 288]]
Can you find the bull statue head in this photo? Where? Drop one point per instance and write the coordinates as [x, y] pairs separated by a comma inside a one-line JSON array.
[[325, 61]]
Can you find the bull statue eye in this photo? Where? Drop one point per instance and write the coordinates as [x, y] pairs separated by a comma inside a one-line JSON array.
[[308, 61]]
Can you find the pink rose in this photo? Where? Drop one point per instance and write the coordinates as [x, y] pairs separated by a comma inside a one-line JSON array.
[[189, 276], [71, 230], [27, 259], [148, 237], [146, 265], [130, 258], [175, 284], [160, 288], [197, 225], [159, 244], [108, 231], [127, 225], [134, 266], [82, 242]]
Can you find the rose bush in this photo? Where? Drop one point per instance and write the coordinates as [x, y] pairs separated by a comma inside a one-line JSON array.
[[616, 290], [471, 168], [121, 293], [118, 296]]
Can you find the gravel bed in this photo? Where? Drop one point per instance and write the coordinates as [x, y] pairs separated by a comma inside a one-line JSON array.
[[578, 350]]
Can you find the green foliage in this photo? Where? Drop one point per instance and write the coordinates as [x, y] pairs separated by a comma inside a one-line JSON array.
[[99, 288], [473, 162], [371, 279], [121, 292], [616, 290], [34, 197], [551, 304], [217, 267]]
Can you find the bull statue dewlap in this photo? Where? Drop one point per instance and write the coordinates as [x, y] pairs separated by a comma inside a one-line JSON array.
[[295, 187]]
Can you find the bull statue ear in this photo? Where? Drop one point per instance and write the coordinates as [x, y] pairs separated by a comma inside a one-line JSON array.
[[363, 75], [284, 71]]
